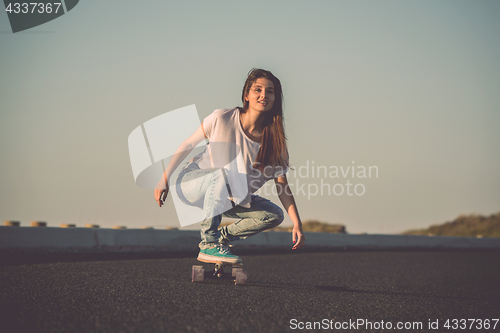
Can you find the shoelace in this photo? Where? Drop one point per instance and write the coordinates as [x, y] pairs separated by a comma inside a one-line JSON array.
[[224, 249]]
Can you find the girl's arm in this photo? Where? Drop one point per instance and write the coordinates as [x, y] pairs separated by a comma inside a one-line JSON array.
[[286, 198], [161, 190]]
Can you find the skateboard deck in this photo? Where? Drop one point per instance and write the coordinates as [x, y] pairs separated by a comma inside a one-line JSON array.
[[220, 270]]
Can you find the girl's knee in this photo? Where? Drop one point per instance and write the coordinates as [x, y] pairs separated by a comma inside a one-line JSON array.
[[276, 216], [218, 176]]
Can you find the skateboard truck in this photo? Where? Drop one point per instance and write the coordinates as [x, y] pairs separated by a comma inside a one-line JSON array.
[[237, 273]]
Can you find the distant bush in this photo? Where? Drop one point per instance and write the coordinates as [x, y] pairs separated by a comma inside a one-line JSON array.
[[464, 225]]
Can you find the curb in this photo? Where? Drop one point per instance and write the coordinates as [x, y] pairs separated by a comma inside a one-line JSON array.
[[143, 240]]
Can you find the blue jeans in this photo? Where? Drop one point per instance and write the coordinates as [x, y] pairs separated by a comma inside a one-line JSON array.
[[207, 189]]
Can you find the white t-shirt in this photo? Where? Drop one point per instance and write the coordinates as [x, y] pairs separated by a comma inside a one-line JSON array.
[[230, 148]]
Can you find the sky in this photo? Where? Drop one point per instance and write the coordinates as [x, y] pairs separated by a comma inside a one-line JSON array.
[[409, 88]]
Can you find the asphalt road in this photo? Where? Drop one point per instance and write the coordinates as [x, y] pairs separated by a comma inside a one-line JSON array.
[[283, 292]]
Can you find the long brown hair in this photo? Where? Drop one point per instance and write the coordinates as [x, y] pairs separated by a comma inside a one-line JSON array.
[[273, 149]]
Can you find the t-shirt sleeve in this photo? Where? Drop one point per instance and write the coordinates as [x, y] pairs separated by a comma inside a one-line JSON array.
[[280, 171], [209, 123]]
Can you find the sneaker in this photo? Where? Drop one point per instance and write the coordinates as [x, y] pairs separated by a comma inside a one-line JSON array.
[[219, 253]]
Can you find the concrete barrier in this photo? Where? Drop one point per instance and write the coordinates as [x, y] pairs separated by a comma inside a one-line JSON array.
[[38, 224], [12, 223], [89, 239]]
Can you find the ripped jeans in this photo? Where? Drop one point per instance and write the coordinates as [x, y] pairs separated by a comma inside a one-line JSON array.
[[204, 188]]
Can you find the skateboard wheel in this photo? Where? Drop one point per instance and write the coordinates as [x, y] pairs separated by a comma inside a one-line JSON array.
[[198, 274], [235, 270], [240, 278]]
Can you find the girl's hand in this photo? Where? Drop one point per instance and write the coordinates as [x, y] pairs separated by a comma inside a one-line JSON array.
[[161, 191], [298, 238]]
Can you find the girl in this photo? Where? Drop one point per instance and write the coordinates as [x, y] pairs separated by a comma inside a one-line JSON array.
[[247, 147]]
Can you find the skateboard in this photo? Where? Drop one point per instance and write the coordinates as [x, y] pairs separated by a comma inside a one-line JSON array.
[[220, 270]]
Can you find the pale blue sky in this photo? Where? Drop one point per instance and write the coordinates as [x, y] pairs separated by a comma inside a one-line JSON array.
[[408, 86]]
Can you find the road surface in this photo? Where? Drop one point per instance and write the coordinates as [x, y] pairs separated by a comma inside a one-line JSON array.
[[284, 293]]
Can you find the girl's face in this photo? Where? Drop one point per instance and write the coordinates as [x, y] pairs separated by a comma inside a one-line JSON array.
[[261, 95]]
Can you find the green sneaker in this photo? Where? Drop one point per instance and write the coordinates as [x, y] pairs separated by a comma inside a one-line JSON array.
[[219, 253]]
